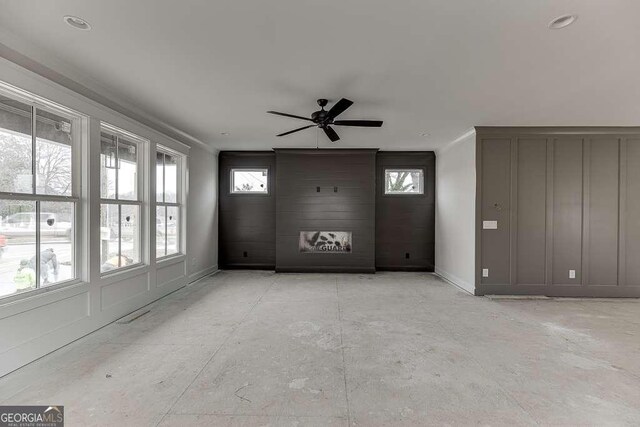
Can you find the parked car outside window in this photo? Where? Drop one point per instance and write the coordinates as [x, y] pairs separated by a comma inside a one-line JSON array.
[[24, 223]]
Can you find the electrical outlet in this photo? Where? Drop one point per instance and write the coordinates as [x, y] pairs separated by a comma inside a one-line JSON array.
[[485, 272], [572, 274], [489, 225]]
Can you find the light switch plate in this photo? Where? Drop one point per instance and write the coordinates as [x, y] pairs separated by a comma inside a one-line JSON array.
[[572, 274], [489, 225], [485, 272]]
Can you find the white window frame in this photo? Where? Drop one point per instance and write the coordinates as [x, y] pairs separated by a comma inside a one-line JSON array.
[[141, 148], [79, 126], [422, 172], [248, 169], [180, 160]]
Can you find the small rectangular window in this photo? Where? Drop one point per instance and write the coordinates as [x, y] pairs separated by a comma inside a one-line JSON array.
[[250, 181], [404, 181]]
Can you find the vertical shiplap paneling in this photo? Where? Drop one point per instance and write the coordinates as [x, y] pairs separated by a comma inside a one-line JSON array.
[[532, 196], [602, 245], [567, 210], [325, 190], [405, 224], [247, 222], [496, 192], [632, 213]]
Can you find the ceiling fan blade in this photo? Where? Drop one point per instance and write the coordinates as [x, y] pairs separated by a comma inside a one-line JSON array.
[[289, 115], [333, 136], [296, 130], [338, 108], [363, 123]]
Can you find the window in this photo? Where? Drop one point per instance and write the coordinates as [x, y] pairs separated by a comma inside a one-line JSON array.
[[404, 181], [39, 189], [249, 181], [168, 198], [120, 206]]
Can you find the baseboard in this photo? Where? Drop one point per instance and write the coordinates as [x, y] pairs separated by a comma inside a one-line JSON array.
[[411, 268], [334, 269], [202, 273], [577, 291], [247, 267], [456, 281]]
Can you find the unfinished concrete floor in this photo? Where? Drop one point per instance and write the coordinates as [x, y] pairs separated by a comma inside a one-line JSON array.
[[258, 348]]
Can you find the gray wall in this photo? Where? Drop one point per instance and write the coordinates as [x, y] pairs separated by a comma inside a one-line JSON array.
[[456, 212], [247, 221], [202, 213], [300, 207], [405, 223], [564, 199]]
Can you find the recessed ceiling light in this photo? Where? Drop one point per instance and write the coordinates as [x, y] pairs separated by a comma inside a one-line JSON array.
[[77, 23], [562, 21]]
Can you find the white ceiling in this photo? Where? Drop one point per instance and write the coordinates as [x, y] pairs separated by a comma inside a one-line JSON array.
[[435, 66]]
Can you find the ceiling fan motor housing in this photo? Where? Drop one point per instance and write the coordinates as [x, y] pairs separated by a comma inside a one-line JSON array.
[[319, 116]]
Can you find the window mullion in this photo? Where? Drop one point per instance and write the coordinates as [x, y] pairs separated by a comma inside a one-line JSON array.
[[34, 169], [164, 198], [117, 165], [33, 197], [38, 266], [121, 202], [34, 172], [164, 178], [119, 235]]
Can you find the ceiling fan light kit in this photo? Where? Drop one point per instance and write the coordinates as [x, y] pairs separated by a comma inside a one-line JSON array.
[[324, 119]]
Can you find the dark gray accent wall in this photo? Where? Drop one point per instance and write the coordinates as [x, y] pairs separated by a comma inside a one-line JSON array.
[[325, 190], [405, 224], [247, 222], [496, 191], [630, 206], [564, 199]]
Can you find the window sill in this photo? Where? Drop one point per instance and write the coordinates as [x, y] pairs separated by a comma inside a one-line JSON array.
[[248, 193], [123, 273], [28, 300], [171, 259]]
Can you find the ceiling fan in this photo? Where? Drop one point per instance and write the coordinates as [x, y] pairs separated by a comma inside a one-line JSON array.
[[325, 119]]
